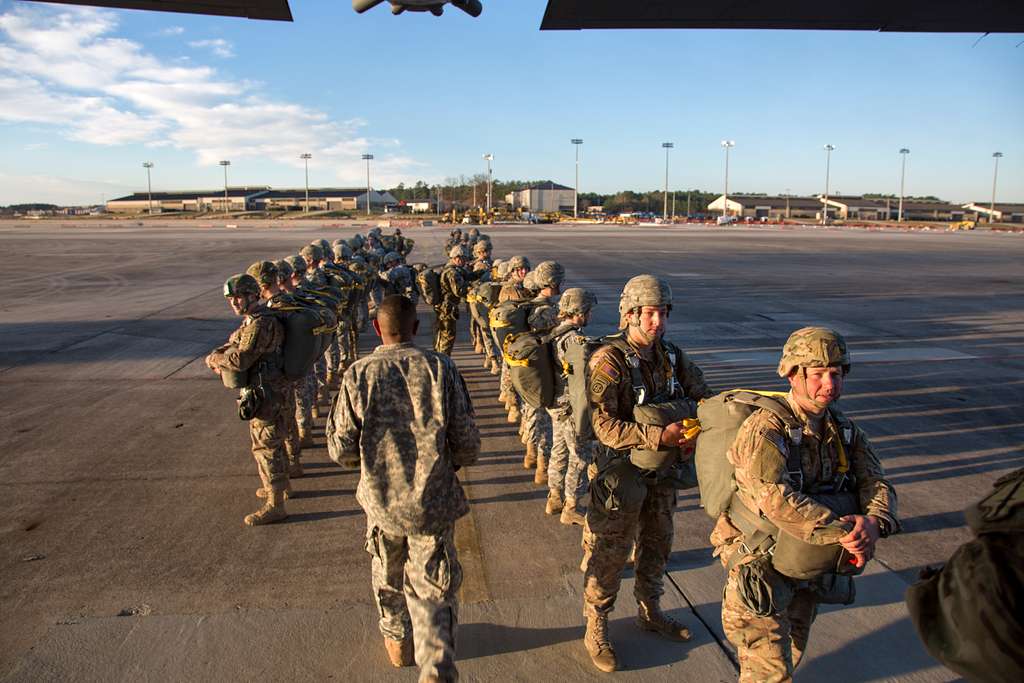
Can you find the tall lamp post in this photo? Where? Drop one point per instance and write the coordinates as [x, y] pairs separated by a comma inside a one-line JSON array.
[[664, 209], [488, 158], [995, 174], [576, 189], [149, 184], [903, 174], [306, 156], [828, 167], [727, 145], [367, 158], [225, 164]]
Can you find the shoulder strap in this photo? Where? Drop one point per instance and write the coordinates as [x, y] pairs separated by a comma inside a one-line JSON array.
[[775, 403], [618, 342]]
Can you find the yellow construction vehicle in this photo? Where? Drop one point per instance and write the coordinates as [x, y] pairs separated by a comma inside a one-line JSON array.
[[961, 225]]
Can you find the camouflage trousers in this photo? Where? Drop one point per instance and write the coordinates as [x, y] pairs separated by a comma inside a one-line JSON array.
[[536, 428], [292, 443], [267, 433], [570, 456], [610, 536], [416, 580], [768, 648], [339, 354], [444, 333], [305, 399], [505, 388]]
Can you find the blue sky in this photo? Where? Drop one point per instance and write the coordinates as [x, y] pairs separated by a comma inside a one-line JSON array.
[[87, 95]]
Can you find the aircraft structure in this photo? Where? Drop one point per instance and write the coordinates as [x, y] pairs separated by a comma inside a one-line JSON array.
[[471, 7]]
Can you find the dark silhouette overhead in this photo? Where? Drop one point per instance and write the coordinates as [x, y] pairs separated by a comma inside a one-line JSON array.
[[277, 10]]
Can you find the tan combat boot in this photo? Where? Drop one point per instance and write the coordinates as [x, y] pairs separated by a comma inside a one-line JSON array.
[[305, 438], [495, 370], [295, 468], [331, 379], [399, 652], [315, 411], [478, 347], [649, 617], [555, 503], [540, 477], [571, 514], [264, 490], [530, 459], [598, 646], [514, 414], [273, 511]]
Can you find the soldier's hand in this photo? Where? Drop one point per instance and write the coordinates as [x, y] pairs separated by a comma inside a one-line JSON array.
[[672, 436], [861, 540]]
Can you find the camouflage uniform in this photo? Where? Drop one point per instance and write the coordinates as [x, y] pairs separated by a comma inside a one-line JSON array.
[[769, 648], [512, 290], [536, 422], [454, 288], [384, 418]]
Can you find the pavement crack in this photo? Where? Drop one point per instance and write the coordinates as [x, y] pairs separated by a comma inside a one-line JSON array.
[[726, 650]]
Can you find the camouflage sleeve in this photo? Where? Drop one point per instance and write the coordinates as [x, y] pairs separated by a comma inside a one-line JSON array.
[[759, 454], [692, 378], [259, 337], [454, 282], [462, 435], [343, 425], [609, 389], [877, 495]]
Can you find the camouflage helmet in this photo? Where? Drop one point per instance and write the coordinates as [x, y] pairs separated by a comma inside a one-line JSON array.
[[342, 252], [392, 256], [481, 248], [284, 270], [814, 347], [530, 281], [359, 258], [517, 262], [325, 247], [264, 272], [474, 232], [374, 231], [576, 301], [548, 274], [644, 290], [312, 253], [358, 266], [457, 252], [297, 263], [336, 242], [241, 284], [501, 269], [357, 241]]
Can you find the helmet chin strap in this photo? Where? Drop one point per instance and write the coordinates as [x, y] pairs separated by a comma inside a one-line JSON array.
[[807, 394]]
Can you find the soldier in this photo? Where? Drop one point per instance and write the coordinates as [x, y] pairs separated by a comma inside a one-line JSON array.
[[316, 279], [305, 390], [268, 275], [454, 288], [570, 454], [512, 290], [398, 278], [815, 361], [403, 244], [632, 496], [254, 349], [419, 399], [543, 317]]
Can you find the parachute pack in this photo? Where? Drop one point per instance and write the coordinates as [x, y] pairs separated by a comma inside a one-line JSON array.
[[309, 324], [577, 350], [721, 417], [428, 281], [527, 353]]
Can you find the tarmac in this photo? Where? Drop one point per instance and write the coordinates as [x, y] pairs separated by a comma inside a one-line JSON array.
[[126, 472]]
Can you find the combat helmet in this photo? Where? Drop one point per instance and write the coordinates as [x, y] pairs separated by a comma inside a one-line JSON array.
[[517, 262], [297, 263], [481, 248], [342, 252], [644, 290], [391, 257], [576, 301], [530, 282], [548, 274], [264, 272], [457, 252], [312, 253], [325, 247], [814, 347], [501, 269], [284, 270], [241, 284]]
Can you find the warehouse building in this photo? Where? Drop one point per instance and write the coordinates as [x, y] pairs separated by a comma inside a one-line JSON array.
[[252, 199], [770, 208], [1000, 213], [547, 197], [915, 210]]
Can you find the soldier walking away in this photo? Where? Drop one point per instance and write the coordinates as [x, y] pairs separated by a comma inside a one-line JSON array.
[[793, 475], [252, 361], [453, 288], [570, 453], [641, 388], [405, 418]]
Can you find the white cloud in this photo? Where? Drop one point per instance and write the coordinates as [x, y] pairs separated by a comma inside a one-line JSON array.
[[218, 46], [66, 68], [172, 31]]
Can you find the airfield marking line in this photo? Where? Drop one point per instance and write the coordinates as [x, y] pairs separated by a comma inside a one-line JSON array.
[[726, 650]]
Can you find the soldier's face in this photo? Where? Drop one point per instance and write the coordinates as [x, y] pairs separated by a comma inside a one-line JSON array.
[[820, 386], [296, 279], [239, 304], [652, 320]]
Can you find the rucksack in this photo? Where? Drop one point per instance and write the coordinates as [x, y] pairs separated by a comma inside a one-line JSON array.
[[531, 367], [487, 293], [577, 351], [428, 281], [510, 317], [309, 325]]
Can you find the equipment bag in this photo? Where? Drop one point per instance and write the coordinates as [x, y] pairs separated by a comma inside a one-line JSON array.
[[510, 317], [309, 325], [531, 367], [577, 349], [428, 281]]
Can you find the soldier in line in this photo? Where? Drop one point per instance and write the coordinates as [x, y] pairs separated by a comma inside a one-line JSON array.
[[512, 290], [254, 349], [407, 485], [398, 278], [305, 390], [297, 431], [814, 361], [481, 267], [570, 454], [630, 501], [454, 281], [316, 280]]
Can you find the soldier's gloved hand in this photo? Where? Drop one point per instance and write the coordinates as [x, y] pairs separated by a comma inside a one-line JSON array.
[[861, 540], [673, 435]]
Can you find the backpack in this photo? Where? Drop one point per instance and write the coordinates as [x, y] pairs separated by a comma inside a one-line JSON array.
[[428, 281], [577, 351], [487, 293], [309, 324], [508, 318], [531, 367]]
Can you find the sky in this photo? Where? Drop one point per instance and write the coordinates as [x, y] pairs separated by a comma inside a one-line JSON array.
[[87, 95]]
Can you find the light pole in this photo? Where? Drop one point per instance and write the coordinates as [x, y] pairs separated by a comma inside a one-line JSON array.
[[367, 158], [576, 189], [828, 167], [306, 156], [488, 158], [664, 209], [727, 144], [995, 174], [149, 184], [225, 164], [903, 174]]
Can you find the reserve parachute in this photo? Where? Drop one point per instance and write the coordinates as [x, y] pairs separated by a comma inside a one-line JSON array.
[[428, 281]]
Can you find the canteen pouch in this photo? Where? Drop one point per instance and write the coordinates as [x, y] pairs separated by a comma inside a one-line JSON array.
[[761, 589], [835, 589], [618, 487], [249, 401]]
